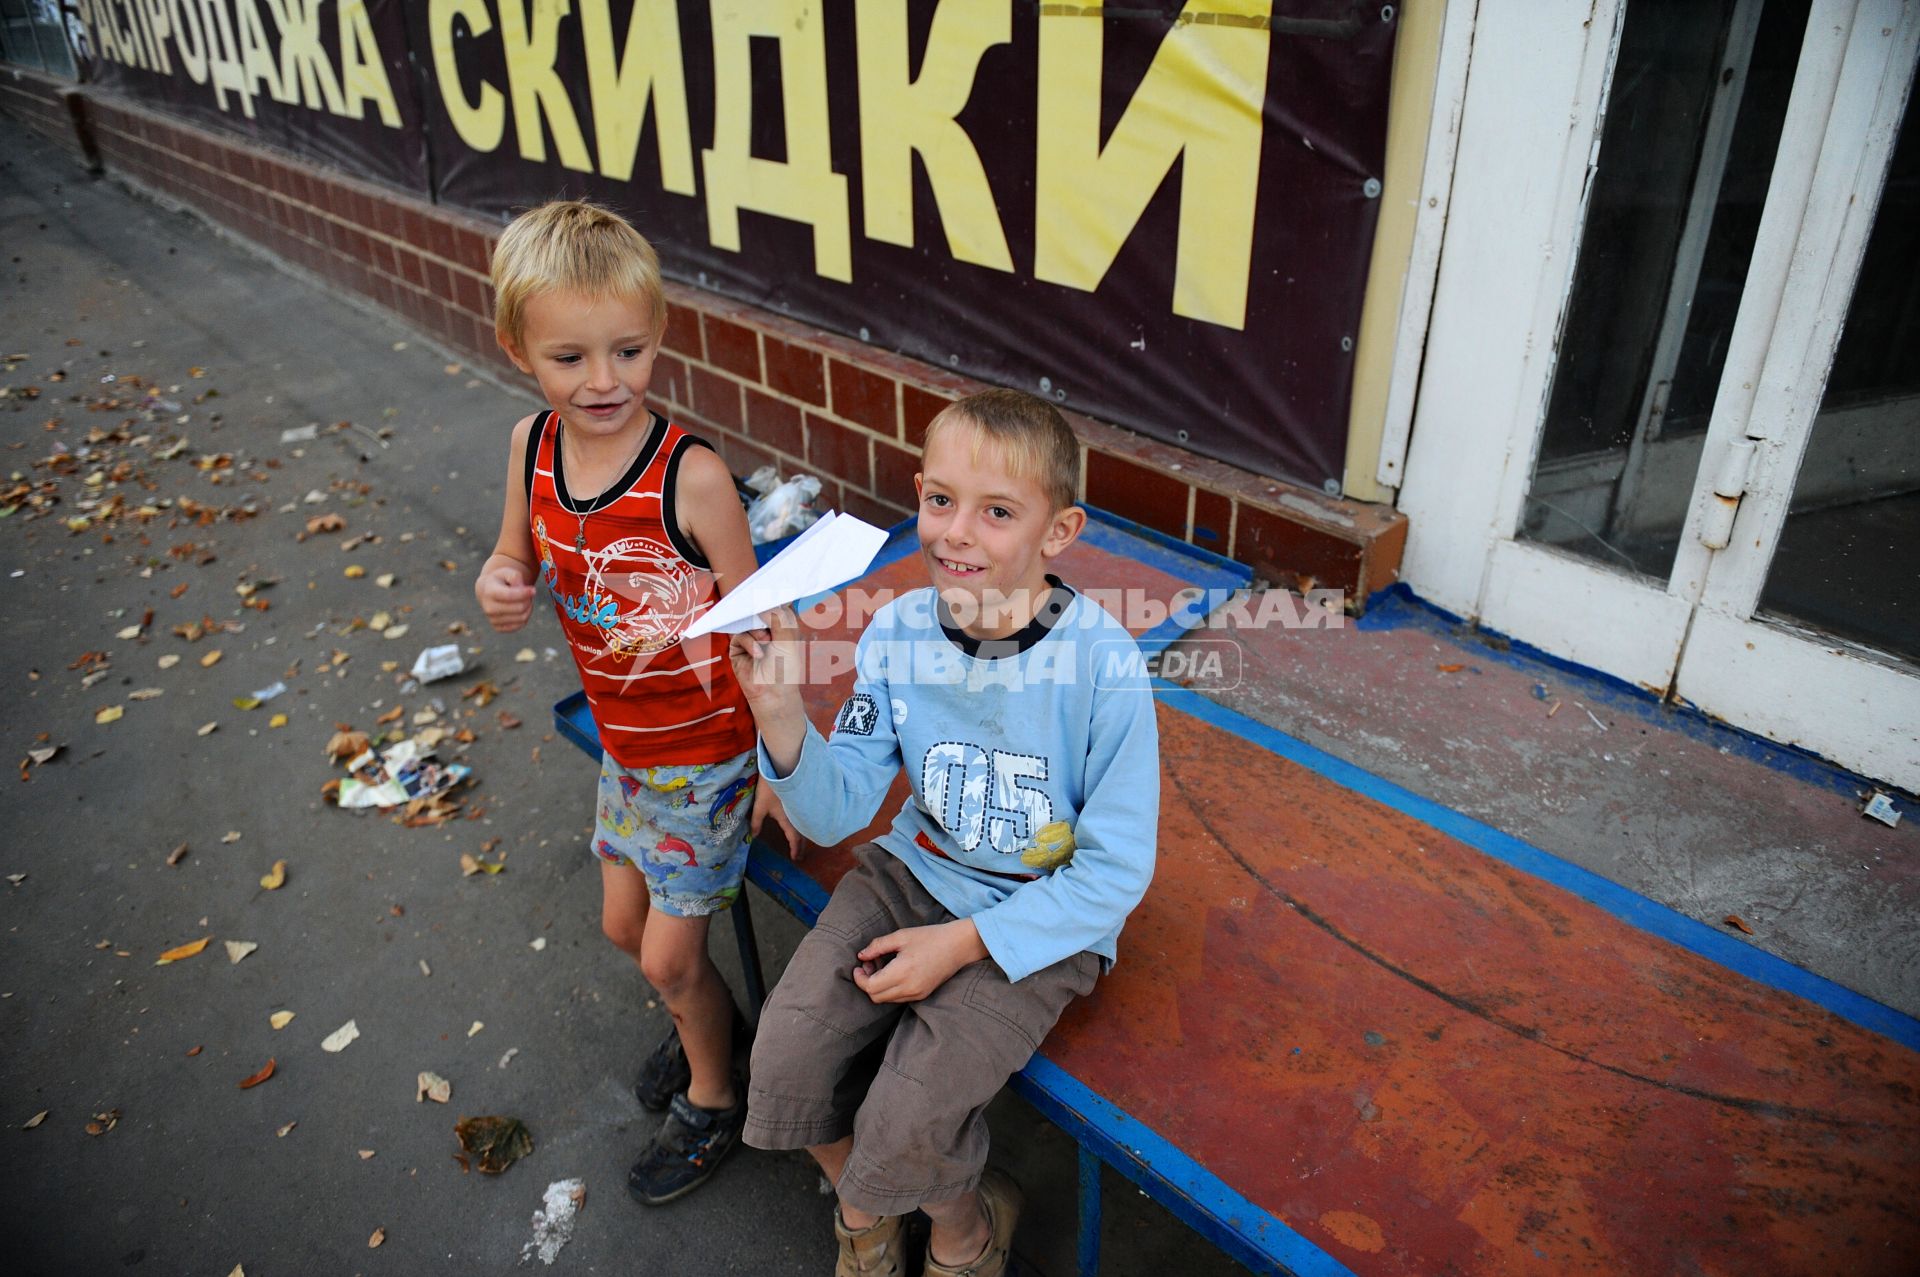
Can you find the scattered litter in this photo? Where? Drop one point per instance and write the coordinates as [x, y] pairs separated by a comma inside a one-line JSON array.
[[1589, 713], [402, 773], [436, 663], [111, 714], [41, 757], [471, 864], [431, 1086], [177, 855], [280, 1019], [526, 655], [170, 660], [238, 949], [475, 1027], [365, 1154], [232, 835], [494, 1143], [508, 1057], [337, 1040], [424, 968], [537, 943], [784, 510], [282, 1132], [103, 1122], [379, 1235], [1738, 923], [300, 434], [553, 1223], [1539, 691], [35, 1120], [267, 693], [206, 729], [1881, 808]]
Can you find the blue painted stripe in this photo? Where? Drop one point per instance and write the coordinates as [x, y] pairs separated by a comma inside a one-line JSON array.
[[1171, 555], [1627, 905], [1192, 1192]]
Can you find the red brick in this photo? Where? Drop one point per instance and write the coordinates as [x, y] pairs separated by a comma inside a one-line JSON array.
[[797, 371], [683, 332], [470, 249], [775, 422], [470, 294], [893, 471], [1135, 492], [386, 217], [741, 456], [670, 379], [835, 450], [1212, 521], [410, 270], [1285, 552], [716, 398], [439, 279], [863, 398], [733, 347], [879, 513], [440, 236]]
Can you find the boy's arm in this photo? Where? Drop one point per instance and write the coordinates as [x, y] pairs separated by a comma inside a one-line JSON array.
[[504, 588], [1115, 839]]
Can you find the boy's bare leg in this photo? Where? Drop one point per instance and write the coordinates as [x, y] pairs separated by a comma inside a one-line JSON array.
[[960, 1229], [833, 1163], [674, 959]]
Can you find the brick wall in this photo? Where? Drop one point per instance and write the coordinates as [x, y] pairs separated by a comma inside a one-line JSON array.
[[761, 387]]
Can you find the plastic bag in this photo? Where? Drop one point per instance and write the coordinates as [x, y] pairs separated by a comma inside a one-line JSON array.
[[786, 510], [763, 480]]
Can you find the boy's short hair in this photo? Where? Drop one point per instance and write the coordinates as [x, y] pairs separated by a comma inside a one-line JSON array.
[[1036, 440], [575, 245]]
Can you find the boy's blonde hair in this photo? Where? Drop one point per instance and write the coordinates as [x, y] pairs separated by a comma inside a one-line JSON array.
[[1034, 438], [574, 245]]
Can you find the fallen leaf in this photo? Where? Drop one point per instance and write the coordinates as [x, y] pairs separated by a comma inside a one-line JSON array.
[[424, 968], [325, 523], [211, 659], [347, 744], [177, 855], [16, 879], [246, 702], [537, 943], [392, 715], [475, 1028], [131, 632], [282, 1132], [280, 1019], [471, 865], [379, 1235], [494, 1143], [41, 757], [232, 835], [238, 949], [277, 878], [365, 1153], [239, 1270], [265, 1073], [111, 714], [395, 631], [1450, 669], [355, 571], [278, 720], [384, 580], [525, 654], [206, 729], [195, 1051], [146, 694], [337, 1040], [1738, 923], [431, 1086], [183, 951], [35, 1120], [509, 720], [103, 1122], [170, 660], [379, 621]]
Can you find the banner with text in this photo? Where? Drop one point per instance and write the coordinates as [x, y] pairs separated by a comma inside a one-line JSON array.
[[1157, 214]]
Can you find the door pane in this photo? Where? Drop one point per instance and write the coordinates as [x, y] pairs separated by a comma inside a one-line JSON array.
[[1848, 561], [1694, 114]]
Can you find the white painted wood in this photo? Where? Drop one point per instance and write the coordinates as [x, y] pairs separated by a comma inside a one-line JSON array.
[[1429, 228], [1620, 623], [1519, 191], [1806, 689]]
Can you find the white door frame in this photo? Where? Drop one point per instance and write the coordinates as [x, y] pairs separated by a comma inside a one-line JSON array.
[[1529, 139]]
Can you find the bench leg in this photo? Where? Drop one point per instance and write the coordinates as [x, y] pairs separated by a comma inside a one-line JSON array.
[[1089, 1213], [749, 956]]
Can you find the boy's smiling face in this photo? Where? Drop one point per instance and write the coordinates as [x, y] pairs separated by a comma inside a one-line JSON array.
[[593, 358], [988, 536]]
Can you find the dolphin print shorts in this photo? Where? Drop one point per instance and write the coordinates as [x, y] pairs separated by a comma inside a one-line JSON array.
[[684, 827]]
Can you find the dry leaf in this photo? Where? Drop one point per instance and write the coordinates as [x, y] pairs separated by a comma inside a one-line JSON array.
[[103, 1122], [239, 1270], [178, 854], [384, 580], [282, 1132], [131, 632], [1738, 923], [395, 631], [35, 1120], [379, 1235], [193, 1051], [232, 835], [278, 877], [278, 720], [347, 744], [431, 1086], [111, 714], [355, 571], [525, 655], [392, 715], [1454, 668], [337, 1040], [147, 694], [475, 1028], [183, 951], [170, 660], [379, 621], [365, 1153], [206, 729], [280, 1019], [494, 1143], [325, 523], [238, 949], [211, 659], [265, 1073], [41, 757]]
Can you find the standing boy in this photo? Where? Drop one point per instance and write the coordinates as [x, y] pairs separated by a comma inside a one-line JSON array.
[[1027, 732], [634, 527]]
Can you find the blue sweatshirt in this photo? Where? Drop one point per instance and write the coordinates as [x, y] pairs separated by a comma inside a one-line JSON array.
[[1035, 767]]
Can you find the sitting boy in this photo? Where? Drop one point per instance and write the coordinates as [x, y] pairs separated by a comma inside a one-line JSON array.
[[1028, 735]]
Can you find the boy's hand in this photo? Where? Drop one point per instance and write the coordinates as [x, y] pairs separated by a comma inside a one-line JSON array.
[[767, 804], [505, 592], [770, 663], [908, 965]]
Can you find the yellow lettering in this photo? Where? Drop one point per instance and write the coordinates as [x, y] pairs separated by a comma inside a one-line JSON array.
[[363, 72], [481, 122], [256, 59], [1200, 102], [98, 17], [153, 20], [137, 37], [302, 60], [531, 41], [189, 39], [804, 188], [899, 117], [649, 68], [223, 60]]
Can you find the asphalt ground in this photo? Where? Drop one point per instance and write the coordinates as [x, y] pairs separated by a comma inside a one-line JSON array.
[[152, 368]]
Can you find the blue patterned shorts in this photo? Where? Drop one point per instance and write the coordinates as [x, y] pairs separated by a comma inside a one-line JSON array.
[[684, 827]]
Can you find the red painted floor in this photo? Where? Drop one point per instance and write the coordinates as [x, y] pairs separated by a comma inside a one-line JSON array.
[[1428, 1062]]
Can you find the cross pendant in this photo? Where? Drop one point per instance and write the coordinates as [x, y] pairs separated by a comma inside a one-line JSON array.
[[580, 540]]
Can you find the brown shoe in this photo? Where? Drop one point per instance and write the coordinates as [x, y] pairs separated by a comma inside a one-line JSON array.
[[875, 1251], [1000, 1201]]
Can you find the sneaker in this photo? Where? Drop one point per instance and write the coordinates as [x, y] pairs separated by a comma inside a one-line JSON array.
[[876, 1251], [1000, 1201], [665, 1073], [691, 1143]]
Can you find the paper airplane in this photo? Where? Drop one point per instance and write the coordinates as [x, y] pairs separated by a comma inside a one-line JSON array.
[[835, 550]]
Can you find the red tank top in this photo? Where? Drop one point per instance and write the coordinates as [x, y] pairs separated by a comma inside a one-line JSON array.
[[626, 583]]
